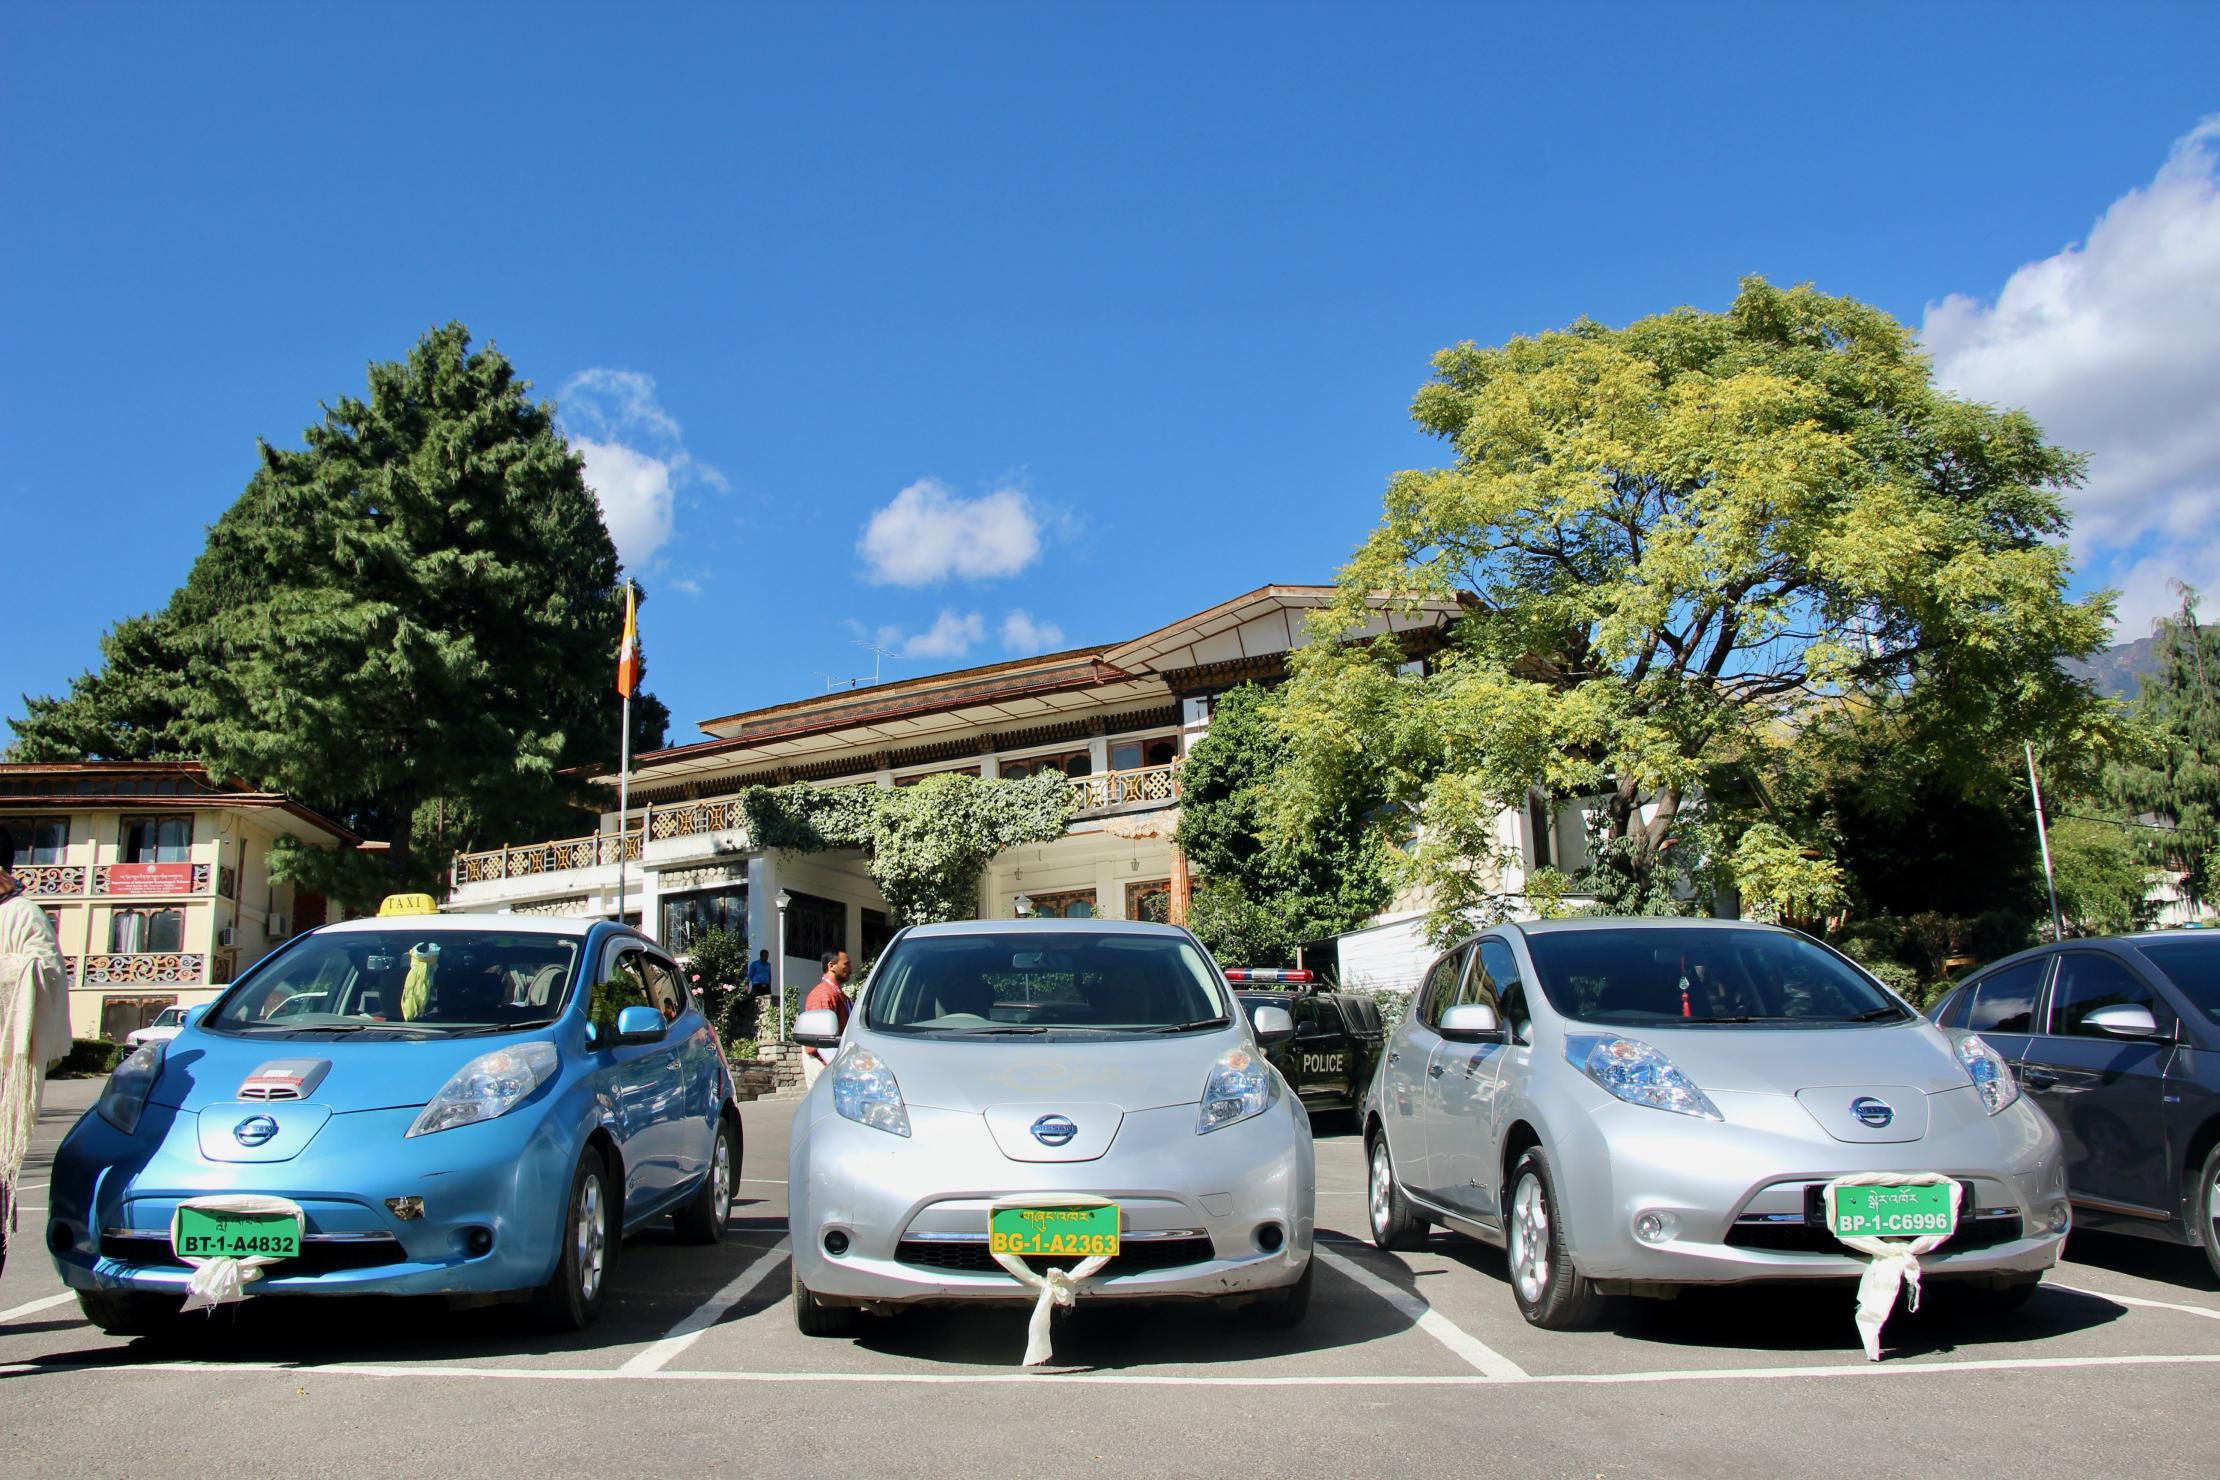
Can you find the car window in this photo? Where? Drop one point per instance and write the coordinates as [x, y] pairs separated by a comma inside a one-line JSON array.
[[1441, 987], [1499, 970], [2004, 1001], [430, 980], [1040, 982], [1703, 977], [2088, 981], [2192, 964], [666, 989]]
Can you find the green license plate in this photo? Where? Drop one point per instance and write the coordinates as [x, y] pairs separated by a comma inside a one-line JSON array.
[[1085, 1232], [1896, 1212], [202, 1233]]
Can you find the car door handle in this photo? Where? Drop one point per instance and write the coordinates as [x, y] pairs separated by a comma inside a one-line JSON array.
[[1433, 1071], [2037, 1079]]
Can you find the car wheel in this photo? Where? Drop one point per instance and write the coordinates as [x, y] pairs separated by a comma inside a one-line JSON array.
[[2207, 1210], [128, 1312], [702, 1220], [1551, 1293], [1283, 1310], [1395, 1224], [571, 1299], [812, 1317]]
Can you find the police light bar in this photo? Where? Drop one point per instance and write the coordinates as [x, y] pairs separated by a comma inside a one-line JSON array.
[[1266, 974]]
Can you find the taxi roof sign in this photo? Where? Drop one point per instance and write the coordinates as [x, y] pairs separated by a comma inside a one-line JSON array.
[[407, 904]]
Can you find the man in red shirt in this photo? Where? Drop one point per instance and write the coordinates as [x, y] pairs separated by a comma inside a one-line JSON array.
[[828, 996]]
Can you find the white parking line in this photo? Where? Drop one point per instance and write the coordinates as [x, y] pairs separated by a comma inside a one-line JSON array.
[[2188, 1310], [653, 1359], [35, 1306], [1478, 1354]]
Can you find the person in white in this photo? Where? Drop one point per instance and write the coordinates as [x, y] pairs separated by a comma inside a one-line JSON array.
[[34, 1025]]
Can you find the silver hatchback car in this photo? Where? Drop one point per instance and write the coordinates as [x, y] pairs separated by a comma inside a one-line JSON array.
[[1628, 1106], [1077, 1094]]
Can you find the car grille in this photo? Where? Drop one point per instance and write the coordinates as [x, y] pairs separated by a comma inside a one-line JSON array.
[[317, 1256], [1133, 1257], [1981, 1232]]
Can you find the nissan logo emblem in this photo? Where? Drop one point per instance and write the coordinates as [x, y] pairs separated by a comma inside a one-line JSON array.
[[1872, 1112], [254, 1130], [1053, 1130]]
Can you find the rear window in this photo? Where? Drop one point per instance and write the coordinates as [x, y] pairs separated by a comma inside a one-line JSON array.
[[1041, 983], [1689, 978], [402, 983], [2192, 964]]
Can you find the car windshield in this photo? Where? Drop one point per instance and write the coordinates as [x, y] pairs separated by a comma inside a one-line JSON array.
[[2192, 964], [1025, 984], [1689, 978], [169, 1017], [402, 984]]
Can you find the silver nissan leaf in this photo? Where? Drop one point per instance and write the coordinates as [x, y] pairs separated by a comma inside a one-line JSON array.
[[1628, 1106], [1076, 1094]]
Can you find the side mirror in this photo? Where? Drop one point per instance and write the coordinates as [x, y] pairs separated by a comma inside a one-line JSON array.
[[817, 1028], [640, 1025], [2124, 1021], [193, 1013], [1273, 1026], [1471, 1022]]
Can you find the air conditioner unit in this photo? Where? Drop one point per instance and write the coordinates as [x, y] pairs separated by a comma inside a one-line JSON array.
[[226, 937], [278, 928]]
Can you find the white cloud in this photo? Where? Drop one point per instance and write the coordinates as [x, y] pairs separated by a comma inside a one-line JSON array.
[[2113, 344], [1021, 634], [951, 636], [636, 457], [930, 534]]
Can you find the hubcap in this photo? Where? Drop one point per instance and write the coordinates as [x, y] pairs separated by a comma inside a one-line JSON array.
[[720, 1177], [593, 1236], [1530, 1240], [1383, 1185]]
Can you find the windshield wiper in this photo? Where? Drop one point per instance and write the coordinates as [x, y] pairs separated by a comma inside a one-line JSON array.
[[1199, 1023], [417, 1028], [483, 1028], [1886, 1010], [1004, 1028], [1670, 1022]]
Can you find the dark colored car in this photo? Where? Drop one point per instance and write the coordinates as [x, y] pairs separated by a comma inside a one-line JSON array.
[[1337, 1037], [2118, 1040]]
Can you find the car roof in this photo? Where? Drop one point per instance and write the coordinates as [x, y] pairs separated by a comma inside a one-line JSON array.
[[1581, 923], [441, 924], [1045, 927]]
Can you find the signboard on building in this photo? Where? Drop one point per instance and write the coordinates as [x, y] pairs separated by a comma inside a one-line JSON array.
[[150, 878]]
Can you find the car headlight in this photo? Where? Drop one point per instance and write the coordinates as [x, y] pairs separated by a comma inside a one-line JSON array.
[[1638, 1074], [865, 1092], [122, 1102], [1989, 1071], [1241, 1084], [488, 1087]]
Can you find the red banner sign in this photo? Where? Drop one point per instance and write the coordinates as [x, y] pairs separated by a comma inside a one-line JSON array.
[[150, 878]]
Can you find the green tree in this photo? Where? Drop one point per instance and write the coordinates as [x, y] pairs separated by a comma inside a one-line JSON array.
[[1262, 893], [410, 623], [1678, 547], [2178, 781], [2103, 873]]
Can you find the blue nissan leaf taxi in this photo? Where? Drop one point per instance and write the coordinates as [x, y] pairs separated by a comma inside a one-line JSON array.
[[417, 1104]]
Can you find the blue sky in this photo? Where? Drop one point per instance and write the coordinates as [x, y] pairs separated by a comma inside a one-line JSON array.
[[978, 329]]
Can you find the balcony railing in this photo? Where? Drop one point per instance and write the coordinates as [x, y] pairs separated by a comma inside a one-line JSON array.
[[136, 968], [77, 880], [661, 823]]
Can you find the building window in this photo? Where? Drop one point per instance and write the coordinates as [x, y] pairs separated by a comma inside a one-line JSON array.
[[1132, 755], [38, 839], [814, 925], [158, 840], [877, 931], [1070, 904], [686, 916], [1067, 763], [132, 931], [121, 1016], [1150, 901]]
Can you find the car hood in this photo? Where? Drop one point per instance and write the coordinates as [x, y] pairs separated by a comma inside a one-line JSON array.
[[203, 1069], [975, 1075], [1917, 1055]]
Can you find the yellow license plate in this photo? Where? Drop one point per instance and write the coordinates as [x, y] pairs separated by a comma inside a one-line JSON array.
[[1085, 1232]]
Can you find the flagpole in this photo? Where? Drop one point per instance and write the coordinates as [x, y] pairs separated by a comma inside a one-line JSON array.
[[628, 654], [2042, 838]]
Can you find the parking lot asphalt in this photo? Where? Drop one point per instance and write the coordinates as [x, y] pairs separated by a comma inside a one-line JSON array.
[[1411, 1363]]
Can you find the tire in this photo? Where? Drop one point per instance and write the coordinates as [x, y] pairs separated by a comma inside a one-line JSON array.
[[702, 1220], [1550, 1292], [2206, 1204], [571, 1298], [812, 1317], [128, 1312], [1395, 1223], [1283, 1310]]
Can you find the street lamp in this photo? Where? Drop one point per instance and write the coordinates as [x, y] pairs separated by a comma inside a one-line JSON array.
[[783, 901]]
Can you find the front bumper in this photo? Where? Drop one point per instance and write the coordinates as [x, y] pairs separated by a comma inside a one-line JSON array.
[[1195, 1208], [1735, 1194], [113, 1195]]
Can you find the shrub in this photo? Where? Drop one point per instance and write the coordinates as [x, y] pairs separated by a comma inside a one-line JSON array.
[[88, 1056]]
